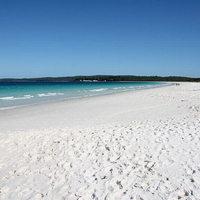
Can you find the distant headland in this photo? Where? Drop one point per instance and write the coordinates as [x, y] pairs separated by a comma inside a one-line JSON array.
[[104, 78]]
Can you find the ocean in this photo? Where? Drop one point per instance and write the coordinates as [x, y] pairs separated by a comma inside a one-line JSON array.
[[17, 94]]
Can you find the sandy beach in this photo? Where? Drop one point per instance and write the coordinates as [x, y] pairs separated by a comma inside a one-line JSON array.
[[137, 145]]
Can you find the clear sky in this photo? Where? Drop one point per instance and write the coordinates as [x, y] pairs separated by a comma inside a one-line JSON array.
[[41, 38]]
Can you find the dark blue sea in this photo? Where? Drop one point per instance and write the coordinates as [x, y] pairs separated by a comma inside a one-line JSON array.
[[16, 94]]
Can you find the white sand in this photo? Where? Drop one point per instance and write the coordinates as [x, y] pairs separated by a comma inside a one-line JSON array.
[[133, 145]]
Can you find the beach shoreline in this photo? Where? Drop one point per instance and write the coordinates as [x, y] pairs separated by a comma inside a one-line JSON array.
[[31, 94], [141, 144], [26, 112]]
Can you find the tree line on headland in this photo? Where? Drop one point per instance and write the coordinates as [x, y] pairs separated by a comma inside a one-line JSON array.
[[104, 78]]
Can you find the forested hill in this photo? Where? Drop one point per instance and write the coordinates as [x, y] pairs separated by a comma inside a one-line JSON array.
[[105, 78], [137, 78]]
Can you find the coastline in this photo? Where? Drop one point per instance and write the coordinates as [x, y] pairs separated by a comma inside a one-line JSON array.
[[140, 144], [64, 113], [29, 94]]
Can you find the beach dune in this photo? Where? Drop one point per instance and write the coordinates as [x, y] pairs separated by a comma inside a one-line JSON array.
[[132, 145]]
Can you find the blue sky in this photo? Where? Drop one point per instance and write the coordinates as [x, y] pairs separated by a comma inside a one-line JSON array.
[[41, 38]]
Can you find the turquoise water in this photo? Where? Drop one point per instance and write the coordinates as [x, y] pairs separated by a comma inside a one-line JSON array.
[[14, 94]]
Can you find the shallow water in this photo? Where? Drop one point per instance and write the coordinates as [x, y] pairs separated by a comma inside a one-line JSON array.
[[14, 94]]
